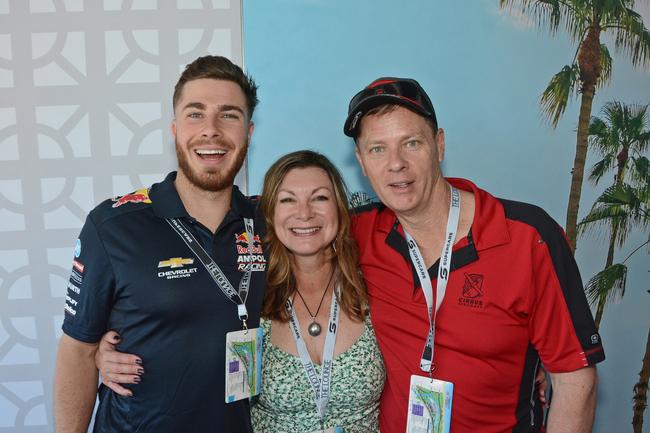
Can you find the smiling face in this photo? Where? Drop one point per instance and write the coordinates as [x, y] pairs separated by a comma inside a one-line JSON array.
[[305, 219], [401, 156], [212, 130]]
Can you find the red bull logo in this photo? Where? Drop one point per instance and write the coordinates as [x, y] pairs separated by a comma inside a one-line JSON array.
[[139, 196], [241, 238], [242, 241]]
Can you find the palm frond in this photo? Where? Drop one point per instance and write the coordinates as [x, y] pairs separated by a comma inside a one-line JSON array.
[[631, 36], [606, 65], [544, 13], [600, 168], [616, 113], [601, 136], [555, 97], [603, 216], [597, 127], [640, 175], [623, 226], [573, 16], [641, 145], [622, 194], [635, 201], [608, 284], [620, 206]]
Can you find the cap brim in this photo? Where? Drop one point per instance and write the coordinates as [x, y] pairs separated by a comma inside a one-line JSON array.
[[351, 126]]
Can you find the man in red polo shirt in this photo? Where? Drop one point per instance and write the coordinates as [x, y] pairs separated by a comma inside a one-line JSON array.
[[512, 293]]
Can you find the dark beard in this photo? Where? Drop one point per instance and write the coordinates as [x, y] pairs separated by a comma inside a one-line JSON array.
[[215, 181]]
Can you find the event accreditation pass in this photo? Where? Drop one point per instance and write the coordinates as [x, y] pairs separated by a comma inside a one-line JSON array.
[[429, 409], [243, 364]]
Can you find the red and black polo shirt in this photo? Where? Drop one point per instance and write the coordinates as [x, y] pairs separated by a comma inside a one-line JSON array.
[[514, 299]]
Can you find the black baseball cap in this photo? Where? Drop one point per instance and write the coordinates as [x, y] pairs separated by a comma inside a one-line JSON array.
[[388, 90]]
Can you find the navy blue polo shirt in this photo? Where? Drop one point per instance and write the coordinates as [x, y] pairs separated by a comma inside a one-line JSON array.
[[134, 274]]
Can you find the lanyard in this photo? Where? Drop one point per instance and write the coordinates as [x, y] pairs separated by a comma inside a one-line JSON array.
[[320, 386], [426, 361], [238, 297]]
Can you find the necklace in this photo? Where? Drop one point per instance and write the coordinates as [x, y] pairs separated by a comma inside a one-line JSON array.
[[314, 327]]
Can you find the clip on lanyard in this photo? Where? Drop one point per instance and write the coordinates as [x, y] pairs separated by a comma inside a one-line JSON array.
[[320, 386], [426, 361], [238, 297]]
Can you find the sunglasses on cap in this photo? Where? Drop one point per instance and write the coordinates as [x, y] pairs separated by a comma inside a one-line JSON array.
[[401, 91]]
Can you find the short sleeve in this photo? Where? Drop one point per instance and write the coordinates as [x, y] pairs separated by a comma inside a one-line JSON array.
[[561, 328], [90, 292]]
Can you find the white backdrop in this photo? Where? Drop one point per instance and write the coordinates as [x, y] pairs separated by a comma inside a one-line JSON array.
[[85, 106]]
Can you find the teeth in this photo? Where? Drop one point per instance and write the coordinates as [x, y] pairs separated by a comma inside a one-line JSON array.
[[400, 185], [305, 231], [210, 152]]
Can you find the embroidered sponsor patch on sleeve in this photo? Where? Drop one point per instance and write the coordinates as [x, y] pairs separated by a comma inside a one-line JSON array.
[[74, 287]]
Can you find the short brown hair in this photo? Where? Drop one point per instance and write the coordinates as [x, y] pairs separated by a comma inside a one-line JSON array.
[[218, 68], [281, 284]]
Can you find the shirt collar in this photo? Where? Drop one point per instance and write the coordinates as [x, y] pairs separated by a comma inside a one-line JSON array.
[[489, 227], [167, 203]]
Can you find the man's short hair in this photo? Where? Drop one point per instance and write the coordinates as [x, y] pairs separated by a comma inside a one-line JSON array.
[[389, 108], [218, 68]]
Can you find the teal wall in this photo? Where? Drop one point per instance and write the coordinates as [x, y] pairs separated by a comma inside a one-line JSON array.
[[484, 70]]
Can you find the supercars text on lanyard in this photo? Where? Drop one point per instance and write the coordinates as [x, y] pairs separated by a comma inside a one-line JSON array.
[[238, 297], [320, 386], [426, 362]]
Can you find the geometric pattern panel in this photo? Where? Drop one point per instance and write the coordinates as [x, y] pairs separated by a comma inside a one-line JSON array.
[[85, 108]]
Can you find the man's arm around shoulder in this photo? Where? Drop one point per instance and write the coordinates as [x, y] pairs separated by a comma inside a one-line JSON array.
[[75, 385], [573, 406]]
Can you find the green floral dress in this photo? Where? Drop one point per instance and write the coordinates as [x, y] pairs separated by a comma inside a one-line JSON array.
[[286, 403]]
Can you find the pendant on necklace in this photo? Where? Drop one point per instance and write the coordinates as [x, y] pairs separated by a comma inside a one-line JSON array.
[[314, 329]]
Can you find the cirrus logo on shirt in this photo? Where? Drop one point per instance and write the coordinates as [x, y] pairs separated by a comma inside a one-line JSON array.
[[472, 291]]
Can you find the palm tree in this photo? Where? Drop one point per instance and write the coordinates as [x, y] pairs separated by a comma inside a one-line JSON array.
[[632, 203], [621, 137], [585, 21], [622, 206], [358, 199]]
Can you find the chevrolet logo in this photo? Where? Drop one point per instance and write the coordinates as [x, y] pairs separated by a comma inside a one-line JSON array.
[[175, 262]]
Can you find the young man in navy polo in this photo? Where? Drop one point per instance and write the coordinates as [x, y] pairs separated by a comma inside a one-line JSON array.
[[134, 272], [466, 288]]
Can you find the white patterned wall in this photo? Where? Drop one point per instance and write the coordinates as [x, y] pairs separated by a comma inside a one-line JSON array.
[[85, 106]]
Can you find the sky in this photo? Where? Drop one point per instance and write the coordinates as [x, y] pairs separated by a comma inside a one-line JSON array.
[[484, 70]]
